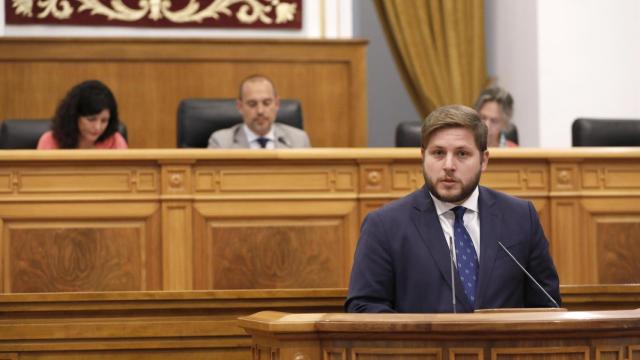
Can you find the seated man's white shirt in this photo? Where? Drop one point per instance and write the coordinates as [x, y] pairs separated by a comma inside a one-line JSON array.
[[471, 219], [252, 138]]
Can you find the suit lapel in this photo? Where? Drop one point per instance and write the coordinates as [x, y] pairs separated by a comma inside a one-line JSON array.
[[426, 220], [281, 139], [490, 232], [239, 137]]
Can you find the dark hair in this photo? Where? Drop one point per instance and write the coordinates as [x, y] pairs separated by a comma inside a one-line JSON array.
[[454, 116], [87, 98], [501, 97], [255, 77]]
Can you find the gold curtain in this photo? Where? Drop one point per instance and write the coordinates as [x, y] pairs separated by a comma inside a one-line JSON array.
[[439, 49]]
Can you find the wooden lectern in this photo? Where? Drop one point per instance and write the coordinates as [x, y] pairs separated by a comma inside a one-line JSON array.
[[573, 335]]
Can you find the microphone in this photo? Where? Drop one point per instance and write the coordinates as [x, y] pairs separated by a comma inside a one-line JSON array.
[[283, 141], [529, 275], [453, 279]]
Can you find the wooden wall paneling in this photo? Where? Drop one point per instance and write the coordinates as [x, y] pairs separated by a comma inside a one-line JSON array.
[[395, 352], [541, 353], [142, 325], [186, 209], [149, 77], [542, 207], [567, 242], [610, 352], [177, 245], [465, 353], [612, 239], [269, 245], [79, 247], [633, 352]]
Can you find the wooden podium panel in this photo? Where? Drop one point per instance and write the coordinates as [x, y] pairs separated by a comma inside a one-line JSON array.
[[179, 219], [496, 336], [151, 325]]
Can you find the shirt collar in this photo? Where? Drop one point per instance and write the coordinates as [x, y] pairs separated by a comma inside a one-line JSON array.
[[251, 136], [471, 203]]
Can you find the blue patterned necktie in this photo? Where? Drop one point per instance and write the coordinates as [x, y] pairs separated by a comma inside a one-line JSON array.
[[262, 141], [466, 256]]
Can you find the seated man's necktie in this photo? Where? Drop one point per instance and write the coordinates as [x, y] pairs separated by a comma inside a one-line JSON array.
[[262, 141]]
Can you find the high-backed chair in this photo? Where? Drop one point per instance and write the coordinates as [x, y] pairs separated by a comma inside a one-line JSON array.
[[409, 134], [605, 132], [198, 118], [24, 134]]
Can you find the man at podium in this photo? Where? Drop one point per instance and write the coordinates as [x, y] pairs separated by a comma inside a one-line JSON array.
[[452, 246]]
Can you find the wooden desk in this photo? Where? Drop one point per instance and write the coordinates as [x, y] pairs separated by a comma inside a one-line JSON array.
[[495, 336], [240, 219], [151, 325]]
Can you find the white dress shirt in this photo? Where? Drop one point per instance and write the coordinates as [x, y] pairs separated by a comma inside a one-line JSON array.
[[471, 219], [252, 138]]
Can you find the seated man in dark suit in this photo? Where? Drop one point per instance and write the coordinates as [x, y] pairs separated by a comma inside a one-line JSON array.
[[407, 249], [258, 103]]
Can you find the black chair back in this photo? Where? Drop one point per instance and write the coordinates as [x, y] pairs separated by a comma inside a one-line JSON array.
[[25, 133], [512, 134], [605, 132], [22, 134], [199, 118], [409, 134]]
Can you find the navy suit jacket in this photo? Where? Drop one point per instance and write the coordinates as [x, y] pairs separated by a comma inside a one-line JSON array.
[[402, 262]]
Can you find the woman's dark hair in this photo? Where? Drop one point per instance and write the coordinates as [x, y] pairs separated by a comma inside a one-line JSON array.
[[87, 98]]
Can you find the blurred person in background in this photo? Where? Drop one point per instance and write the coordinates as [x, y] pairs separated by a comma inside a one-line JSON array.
[[86, 118]]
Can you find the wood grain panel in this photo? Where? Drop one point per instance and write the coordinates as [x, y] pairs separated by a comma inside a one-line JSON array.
[[334, 354], [609, 177], [396, 353], [75, 257], [618, 251], [295, 177], [177, 242], [80, 247], [634, 352], [544, 214], [149, 78], [406, 178], [541, 353], [374, 178], [6, 182], [567, 242], [192, 201], [564, 177], [273, 244], [277, 254], [609, 353], [517, 177], [466, 353]]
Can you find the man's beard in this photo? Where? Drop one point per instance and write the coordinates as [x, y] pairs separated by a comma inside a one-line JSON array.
[[465, 192]]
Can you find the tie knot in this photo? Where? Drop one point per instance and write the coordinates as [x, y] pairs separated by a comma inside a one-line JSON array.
[[458, 211], [262, 141]]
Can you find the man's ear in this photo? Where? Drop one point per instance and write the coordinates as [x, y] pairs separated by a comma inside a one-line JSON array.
[[239, 105], [484, 160]]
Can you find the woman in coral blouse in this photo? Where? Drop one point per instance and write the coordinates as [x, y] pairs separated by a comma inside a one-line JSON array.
[[87, 118]]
